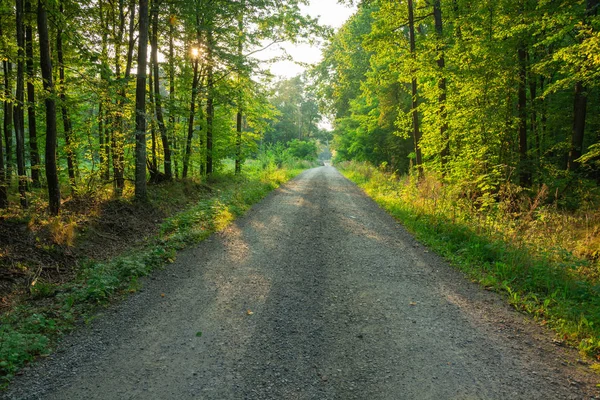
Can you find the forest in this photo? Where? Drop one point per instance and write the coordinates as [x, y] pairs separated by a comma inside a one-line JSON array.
[[486, 91], [82, 79]]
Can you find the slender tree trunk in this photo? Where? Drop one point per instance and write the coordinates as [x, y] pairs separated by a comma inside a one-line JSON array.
[[153, 164], [103, 110], [46, 66], [543, 118], [34, 153], [19, 114], [118, 137], [415, 98], [210, 109], [441, 62], [66, 120], [3, 191], [580, 108], [140, 106], [3, 182], [8, 118], [3, 188], [524, 167], [101, 153], [240, 111], [577, 133], [190, 135], [534, 127], [157, 96], [118, 133], [172, 91]]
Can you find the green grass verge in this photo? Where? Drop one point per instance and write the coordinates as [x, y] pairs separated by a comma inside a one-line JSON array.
[[544, 282], [31, 329]]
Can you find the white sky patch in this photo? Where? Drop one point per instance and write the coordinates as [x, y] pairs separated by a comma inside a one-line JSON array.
[[329, 13]]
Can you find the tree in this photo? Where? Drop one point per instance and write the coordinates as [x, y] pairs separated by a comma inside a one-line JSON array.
[[66, 119], [34, 154], [157, 95], [580, 105], [19, 115], [415, 94], [140, 106], [46, 67]]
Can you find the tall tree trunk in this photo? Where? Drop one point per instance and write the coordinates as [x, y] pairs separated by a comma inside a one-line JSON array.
[[210, 109], [19, 114], [8, 118], [46, 66], [66, 120], [153, 164], [103, 125], [3, 188], [101, 144], [140, 106], [190, 134], [543, 118], [533, 126], [34, 153], [415, 98], [172, 90], [240, 110], [118, 137], [441, 62], [580, 107], [577, 133], [524, 167], [157, 96]]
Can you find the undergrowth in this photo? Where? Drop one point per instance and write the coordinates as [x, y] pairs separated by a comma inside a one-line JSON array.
[[30, 329], [545, 260]]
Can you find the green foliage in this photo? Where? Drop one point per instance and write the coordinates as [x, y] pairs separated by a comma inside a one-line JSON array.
[[303, 150], [468, 77]]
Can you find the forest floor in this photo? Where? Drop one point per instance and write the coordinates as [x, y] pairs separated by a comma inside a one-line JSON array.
[[38, 248], [316, 293]]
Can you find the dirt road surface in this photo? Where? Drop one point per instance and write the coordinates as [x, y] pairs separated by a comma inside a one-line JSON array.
[[315, 294]]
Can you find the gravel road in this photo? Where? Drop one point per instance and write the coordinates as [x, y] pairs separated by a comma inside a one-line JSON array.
[[315, 294]]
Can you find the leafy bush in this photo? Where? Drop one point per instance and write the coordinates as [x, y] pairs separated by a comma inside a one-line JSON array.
[[302, 149]]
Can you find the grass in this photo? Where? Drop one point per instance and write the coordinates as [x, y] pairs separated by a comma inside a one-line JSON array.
[[543, 259], [31, 327]]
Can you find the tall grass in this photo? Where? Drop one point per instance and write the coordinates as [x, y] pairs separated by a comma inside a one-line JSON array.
[[545, 260]]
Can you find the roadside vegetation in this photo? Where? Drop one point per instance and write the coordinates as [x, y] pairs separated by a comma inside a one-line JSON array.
[[519, 242], [99, 260]]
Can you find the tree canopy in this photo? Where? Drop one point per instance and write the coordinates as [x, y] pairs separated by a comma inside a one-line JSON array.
[[488, 91], [97, 113]]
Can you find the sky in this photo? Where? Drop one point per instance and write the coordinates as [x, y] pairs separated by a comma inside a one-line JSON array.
[[329, 13]]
